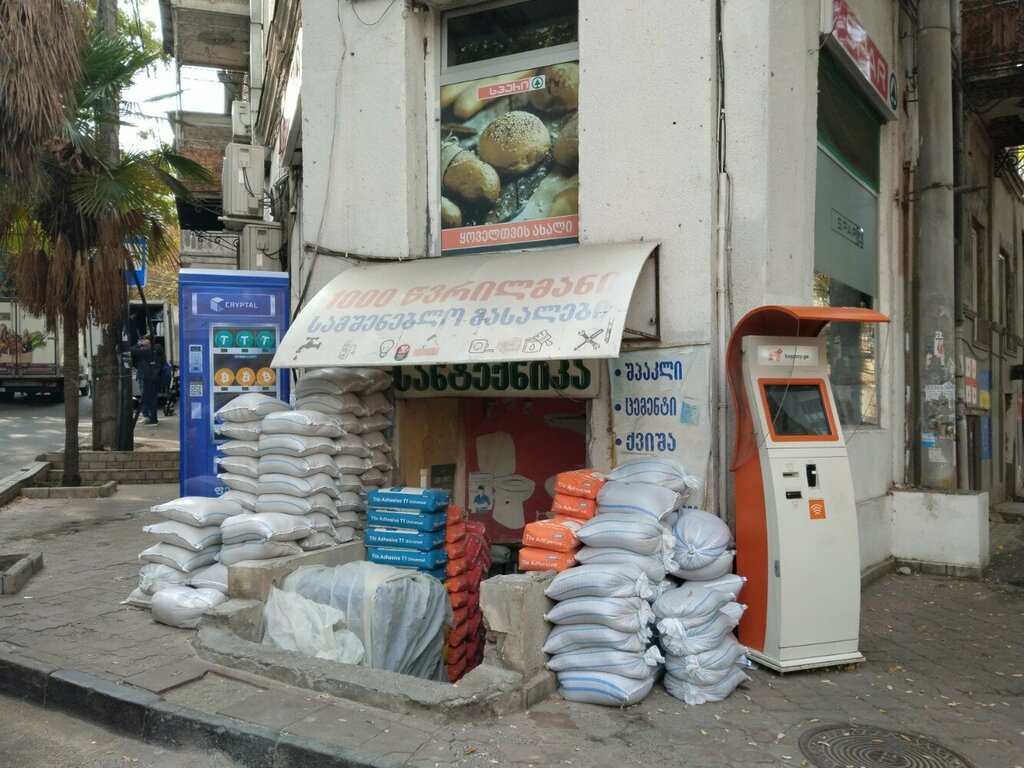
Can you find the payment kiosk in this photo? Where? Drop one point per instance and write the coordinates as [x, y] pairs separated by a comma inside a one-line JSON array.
[[796, 518]]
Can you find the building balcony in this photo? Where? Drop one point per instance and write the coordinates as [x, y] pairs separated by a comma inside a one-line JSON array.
[[207, 33], [993, 66]]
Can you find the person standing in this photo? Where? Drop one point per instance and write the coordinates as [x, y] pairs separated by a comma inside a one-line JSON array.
[[149, 360]]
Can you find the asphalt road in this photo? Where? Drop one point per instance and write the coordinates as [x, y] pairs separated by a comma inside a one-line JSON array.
[[30, 426], [31, 737]]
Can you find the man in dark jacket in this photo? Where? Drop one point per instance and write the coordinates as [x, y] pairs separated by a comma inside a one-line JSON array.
[[149, 363]]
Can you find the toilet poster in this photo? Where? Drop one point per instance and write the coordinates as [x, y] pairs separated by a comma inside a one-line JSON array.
[[514, 449]]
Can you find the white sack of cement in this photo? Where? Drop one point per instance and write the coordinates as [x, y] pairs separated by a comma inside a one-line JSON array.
[[604, 688], [655, 471], [183, 606], [700, 538], [704, 694]]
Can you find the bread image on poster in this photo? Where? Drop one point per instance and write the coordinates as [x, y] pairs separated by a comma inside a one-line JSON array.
[[509, 158]]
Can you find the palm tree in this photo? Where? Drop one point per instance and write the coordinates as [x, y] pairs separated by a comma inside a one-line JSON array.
[[39, 44], [66, 234]]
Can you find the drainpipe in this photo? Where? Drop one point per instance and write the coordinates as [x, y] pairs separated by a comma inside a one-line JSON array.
[[934, 277], [963, 477], [720, 499]]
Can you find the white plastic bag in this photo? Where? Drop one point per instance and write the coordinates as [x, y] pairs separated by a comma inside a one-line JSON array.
[[183, 535], [680, 640], [252, 406], [639, 665], [572, 637], [704, 694], [693, 602], [709, 667], [156, 576], [257, 550], [656, 471], [625, 530], [265, 526], [604, 688], [183, 606], [184, 560], [626, 614], [297, 466], [700, 538], [622, 580], [198, 510], [730, 583], [293, 623], [655, 566], [239, 465], [302, 423], [637, 498], [211, 577], [716, 569]]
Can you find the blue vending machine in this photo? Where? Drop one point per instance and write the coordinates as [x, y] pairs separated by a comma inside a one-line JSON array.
[[231, 323]]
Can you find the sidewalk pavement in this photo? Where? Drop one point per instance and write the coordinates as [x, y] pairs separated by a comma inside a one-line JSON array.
[[943, 662]]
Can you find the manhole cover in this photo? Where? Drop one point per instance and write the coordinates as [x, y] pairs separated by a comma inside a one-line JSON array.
[[861, 746]]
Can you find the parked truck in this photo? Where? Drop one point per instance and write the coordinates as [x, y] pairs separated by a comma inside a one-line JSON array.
[[31, 356]]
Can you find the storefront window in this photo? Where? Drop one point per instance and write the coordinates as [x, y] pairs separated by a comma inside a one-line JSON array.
[[846, 237], [509, 102]]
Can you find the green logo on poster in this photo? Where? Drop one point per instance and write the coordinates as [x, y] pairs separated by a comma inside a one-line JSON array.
[[537, 83], [223, 339], [243, 339], [265, 339]]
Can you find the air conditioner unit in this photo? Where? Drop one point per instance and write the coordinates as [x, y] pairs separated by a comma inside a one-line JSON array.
[[241, 121], [242, 183], [259, 248]]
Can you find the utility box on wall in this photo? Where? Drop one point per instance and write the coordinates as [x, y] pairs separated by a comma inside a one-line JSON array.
[[242, 183], [259, 249]]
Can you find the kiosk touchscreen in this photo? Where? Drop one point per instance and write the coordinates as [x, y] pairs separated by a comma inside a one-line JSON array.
[[795, 510]]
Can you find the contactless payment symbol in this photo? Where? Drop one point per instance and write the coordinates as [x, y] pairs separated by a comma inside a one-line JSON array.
[[244, 339], [266, 377], [265, 339], [223, 339], [224, 377], [246, 377], [817, 508]]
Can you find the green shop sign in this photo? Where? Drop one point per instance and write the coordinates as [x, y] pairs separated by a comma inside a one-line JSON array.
[[538, 378]]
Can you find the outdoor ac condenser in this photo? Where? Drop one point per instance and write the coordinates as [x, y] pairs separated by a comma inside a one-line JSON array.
[[242, 183], [259, 248], [241, 121]]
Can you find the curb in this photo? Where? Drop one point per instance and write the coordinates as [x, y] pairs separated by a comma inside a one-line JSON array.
[[139, 714], [11, 486]]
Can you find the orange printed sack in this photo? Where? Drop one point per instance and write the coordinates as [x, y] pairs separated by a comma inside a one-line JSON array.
[[458, 566], [460, 583], [533, 559], [574, 506], [456, 549], [457, 653], [455, 532], [460, 615], [454, 514], [459, 634], [582, 482], [457, 670], [558, 534], [459, 599]]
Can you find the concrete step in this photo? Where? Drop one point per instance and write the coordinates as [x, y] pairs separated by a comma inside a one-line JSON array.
[[141, 476]]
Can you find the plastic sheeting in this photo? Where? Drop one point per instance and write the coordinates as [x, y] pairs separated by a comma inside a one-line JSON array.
[[399, 615]]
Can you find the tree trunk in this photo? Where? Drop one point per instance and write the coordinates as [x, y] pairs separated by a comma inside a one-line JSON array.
[[72, 355], [105, 402]]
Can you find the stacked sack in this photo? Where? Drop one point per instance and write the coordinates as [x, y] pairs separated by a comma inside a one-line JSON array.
[[602, 646], [356, 397], [551, 544], [468, 563], [703, 661], [299, 477], [181, 579], [259, 531], [408, 528], [695, 622]]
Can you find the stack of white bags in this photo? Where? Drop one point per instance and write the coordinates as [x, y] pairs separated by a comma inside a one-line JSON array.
[[602, 645], [181, 578], [356, 398], [289, 488]]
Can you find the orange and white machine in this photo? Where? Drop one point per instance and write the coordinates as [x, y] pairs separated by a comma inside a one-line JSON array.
[[796, 517]]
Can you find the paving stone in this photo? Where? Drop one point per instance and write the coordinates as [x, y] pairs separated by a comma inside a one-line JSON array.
[[211, 693], [341, 725], [168, 676], [275, 708]]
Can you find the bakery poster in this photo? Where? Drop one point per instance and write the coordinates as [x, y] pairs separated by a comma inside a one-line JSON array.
[[514, 449], [509, 160]]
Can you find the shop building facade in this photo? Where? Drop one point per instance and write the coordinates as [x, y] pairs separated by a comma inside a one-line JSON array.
[[767, 153]]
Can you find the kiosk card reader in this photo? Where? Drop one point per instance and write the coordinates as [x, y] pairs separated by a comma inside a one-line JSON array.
[[796, 517]]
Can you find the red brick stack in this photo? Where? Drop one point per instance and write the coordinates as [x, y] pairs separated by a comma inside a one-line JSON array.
[[468, 564]]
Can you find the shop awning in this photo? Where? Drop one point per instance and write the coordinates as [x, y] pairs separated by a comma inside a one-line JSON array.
[[556, 303]]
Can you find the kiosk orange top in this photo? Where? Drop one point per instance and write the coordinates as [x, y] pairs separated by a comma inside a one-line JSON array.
[[776, 320]]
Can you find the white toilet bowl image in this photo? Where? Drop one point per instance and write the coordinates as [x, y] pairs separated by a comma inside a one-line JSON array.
[[510, 493]]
